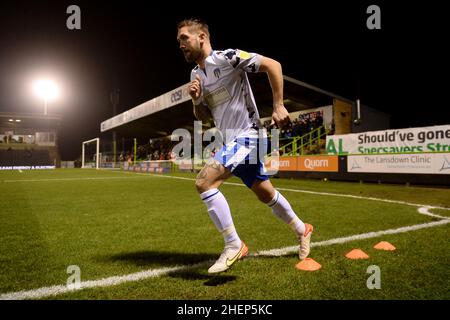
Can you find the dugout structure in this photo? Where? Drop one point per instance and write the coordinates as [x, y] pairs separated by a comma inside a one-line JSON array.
[[160, 116]]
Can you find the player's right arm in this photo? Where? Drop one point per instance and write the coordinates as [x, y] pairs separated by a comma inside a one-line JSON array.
[[201, 111]]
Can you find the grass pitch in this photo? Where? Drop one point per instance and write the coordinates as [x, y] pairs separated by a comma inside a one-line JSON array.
[[117, 223]]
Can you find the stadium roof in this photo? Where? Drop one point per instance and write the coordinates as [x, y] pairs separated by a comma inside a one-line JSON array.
[[23, 120], [158, 117]]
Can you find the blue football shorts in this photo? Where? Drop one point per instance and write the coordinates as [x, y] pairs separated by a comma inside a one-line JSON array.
[[242, 157]]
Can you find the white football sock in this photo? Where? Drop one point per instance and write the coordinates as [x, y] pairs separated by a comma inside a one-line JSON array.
[[282, 209], [219, 211]]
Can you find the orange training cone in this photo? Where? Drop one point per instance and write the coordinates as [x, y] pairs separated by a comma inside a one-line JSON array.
[[308, 265], [357, 254], [384, 245]]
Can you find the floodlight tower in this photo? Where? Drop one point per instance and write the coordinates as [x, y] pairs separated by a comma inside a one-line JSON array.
[[46, 90]]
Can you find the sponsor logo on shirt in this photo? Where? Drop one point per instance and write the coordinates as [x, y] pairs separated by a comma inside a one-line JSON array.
[[217, 97]]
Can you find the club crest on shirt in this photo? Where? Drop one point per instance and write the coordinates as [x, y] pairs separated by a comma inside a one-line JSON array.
[[217, 72]]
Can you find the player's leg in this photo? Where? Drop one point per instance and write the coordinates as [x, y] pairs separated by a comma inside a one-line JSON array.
[[207, 183], [212, 175], [267, 194]]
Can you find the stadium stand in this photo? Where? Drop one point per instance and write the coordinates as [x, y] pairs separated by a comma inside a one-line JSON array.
[[141, 136], [29, 140], [27, 157]]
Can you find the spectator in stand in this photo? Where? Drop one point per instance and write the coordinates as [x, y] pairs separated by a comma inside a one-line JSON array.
[[319, 120], [313, 124], [332, 128], [130, 159]]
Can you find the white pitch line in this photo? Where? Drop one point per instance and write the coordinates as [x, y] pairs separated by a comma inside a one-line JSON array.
[[424, 211], [239, 185], [302, 191], [287, 250], [65, 179], [111, 281], [152, 273]]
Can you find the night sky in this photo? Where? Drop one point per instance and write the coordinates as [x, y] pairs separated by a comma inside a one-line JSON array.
[[132, 46]]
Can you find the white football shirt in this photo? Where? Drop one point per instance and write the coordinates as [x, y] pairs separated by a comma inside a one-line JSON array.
[[226, 90]]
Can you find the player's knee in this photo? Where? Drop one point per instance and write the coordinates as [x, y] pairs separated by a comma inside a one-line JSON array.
[[202, 185], [264, 197]]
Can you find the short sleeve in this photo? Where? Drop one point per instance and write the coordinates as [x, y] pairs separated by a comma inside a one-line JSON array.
[[240, 59]]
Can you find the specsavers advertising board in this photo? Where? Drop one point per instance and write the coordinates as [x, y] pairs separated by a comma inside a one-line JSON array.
[[423, 150]]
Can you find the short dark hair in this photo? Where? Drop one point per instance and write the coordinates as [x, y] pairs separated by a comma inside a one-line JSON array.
[[197, 24]]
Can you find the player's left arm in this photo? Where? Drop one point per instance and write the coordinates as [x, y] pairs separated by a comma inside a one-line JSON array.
[[275, 74]]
